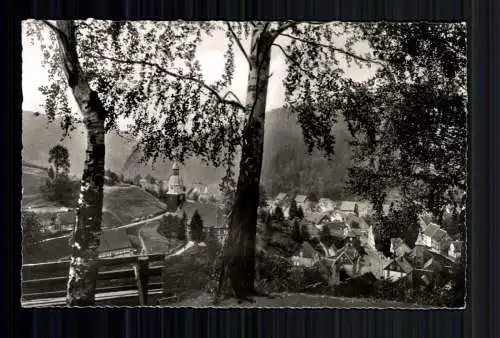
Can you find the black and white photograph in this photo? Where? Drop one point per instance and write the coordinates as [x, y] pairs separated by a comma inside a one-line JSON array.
[[282, 164]]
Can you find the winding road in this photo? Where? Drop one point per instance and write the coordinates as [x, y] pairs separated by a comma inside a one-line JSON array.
[[120, 227]]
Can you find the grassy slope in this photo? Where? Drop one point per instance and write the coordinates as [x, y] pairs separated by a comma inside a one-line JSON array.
[[128, 203], [122, 204]]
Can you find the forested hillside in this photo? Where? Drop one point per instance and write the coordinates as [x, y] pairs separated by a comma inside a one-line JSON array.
[[287, 165]]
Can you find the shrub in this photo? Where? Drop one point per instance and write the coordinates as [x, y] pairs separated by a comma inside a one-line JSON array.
[[169, 226], [61, 190], [32, 229]]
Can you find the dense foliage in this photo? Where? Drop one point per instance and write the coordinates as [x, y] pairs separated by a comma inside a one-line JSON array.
[[59, 160], [61, 190], [401, 222], [410, 119], [32, 232]]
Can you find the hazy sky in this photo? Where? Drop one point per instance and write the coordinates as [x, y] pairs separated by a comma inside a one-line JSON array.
[[211, 56]]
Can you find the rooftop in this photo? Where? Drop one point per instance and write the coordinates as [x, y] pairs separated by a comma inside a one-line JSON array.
[[431, 229], [300, 198], [307, 250], [281, 196], [347, 205], [400, 262]]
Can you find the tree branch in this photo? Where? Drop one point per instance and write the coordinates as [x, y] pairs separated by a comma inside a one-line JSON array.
[[340, 50], [238, 42], [212, 90], [294, 61], [283, 28], [52, 27], [234, 95]]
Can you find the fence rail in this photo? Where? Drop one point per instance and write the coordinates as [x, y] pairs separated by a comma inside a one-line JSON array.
[[134, 273]]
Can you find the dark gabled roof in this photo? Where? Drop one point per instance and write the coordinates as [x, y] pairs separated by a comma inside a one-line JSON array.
[[458, 245], [307, 250], [112, 240], [336, 226], [281, 196], [317, 217], [432, 265], [402, 263], [343, 254], [431, 229], [439, 234], [348, 250]]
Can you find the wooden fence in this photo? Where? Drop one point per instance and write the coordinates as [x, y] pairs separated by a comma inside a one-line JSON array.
[[47, 281]]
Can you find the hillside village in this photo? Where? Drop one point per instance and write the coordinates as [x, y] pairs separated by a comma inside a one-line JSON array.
[[305, 231]]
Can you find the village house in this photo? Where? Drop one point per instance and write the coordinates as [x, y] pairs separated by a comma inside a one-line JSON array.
[[364, 208], [398, 268], [303, 202], [318, 219], [399, 247], [305, 256], [434, 238], [421, 265], [425, 236], [281, 199], [455, 249], [361, 229], [348, 207], [210, 193], [143, 183], [344, 264], [115, 243], [326, 204]]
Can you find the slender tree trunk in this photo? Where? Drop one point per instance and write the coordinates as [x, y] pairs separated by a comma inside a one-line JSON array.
[[238, 272], [87, 231]]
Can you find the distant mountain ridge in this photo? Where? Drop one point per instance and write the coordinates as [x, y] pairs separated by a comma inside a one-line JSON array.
[[282, 135]]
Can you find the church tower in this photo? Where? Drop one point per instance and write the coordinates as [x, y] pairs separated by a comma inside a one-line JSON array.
[[176, 193]]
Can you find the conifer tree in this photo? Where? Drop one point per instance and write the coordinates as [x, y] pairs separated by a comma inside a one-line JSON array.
[[196, 227]]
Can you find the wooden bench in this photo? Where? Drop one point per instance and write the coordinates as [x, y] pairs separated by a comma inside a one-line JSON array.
[[45, 283]]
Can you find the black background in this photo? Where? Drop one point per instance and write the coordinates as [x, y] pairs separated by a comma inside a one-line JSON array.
[[481, 317]]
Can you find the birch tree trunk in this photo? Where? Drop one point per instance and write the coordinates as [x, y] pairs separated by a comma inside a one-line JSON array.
[[238, 271], [87, 230]]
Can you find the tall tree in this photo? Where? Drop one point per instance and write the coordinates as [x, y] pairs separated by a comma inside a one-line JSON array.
[[187, 119], [51, 173], [32, 232], [300, 213], [103, 90], [409, 120], [296, 231], [59, 159], [196, 227], [278, 214], [87, 231], [293, 211]]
